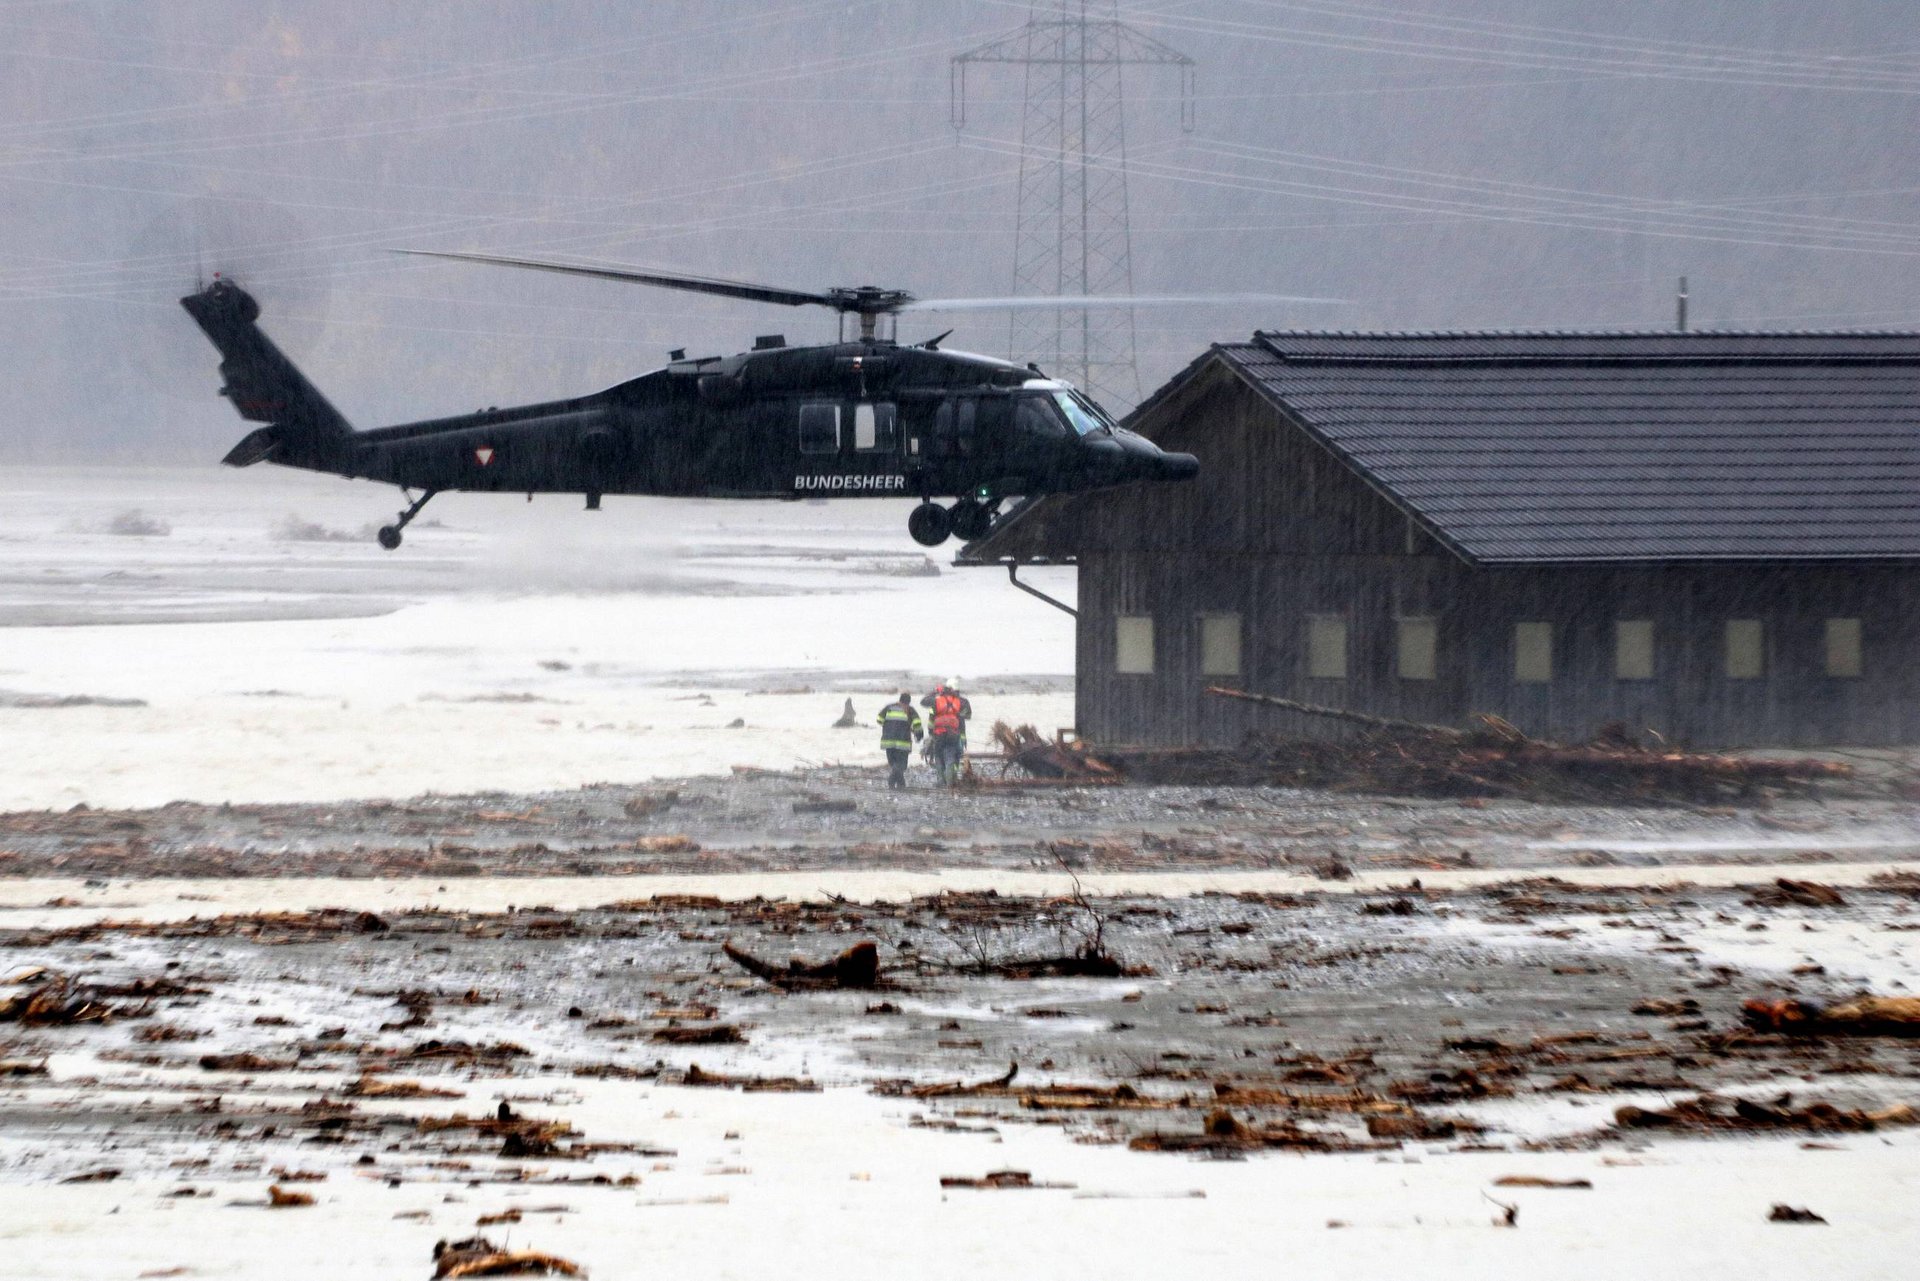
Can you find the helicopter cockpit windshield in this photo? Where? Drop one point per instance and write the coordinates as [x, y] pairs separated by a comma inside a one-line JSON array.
[[1084, 418]]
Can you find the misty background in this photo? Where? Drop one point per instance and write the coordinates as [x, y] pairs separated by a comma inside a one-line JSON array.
[[1447, 164]]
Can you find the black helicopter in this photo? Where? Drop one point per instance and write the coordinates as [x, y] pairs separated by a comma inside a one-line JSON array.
[[861, 418]]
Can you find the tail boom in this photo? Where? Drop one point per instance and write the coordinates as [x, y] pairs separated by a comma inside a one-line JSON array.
[[304, 429]]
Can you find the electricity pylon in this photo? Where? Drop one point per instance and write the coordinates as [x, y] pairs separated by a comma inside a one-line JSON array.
[[1072, 237]]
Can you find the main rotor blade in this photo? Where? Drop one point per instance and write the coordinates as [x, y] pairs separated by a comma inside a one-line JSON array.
[[665, 280], [1107, 300]]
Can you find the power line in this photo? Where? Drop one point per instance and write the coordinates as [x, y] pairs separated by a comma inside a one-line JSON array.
[[1072, 236]]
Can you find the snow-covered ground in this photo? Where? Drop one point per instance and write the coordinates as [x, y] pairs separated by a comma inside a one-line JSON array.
[[256, 645]]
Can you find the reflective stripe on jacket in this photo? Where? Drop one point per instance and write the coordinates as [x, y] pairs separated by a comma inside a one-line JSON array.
[[899, 725]]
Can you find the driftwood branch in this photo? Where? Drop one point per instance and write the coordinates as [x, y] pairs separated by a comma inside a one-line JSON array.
[[858, 966], [1335, 713]]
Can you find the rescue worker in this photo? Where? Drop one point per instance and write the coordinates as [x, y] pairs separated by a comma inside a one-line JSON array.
[[899, 728], [948, 725]]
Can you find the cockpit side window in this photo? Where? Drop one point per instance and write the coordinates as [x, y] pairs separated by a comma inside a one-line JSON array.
[[1037, 418]]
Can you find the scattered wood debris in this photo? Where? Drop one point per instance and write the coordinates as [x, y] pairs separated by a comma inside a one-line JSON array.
[[1410, 758], [479, 1257], [245, 1061], [1786, 892], [105, 1175], [1222, 1132], [1861, 1016], [280, 1198], [997, 1180], [1062, 760], [53, 1000], [1539, 1181], [694, 1076], [378, 1087], [1713, 1113], [700, 1034], [1782, 1213]]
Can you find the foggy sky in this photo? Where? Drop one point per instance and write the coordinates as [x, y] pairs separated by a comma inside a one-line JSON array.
[[1447, 164]]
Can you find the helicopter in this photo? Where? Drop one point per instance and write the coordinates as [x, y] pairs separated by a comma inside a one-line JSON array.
[[864, 417]]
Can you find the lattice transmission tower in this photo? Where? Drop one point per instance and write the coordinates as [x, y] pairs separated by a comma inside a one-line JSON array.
[[1072, 237]]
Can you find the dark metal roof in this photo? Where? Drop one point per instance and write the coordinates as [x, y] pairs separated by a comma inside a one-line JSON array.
[[1550, 447]]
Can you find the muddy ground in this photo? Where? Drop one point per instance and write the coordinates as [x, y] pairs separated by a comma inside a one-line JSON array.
[[335, 1044], [846, 819]]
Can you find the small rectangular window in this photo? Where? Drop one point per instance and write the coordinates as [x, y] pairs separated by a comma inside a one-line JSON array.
[[1533, 653], [1327, 647], [1746, 649], [873, 427], [1633, 649], [1133, 645], [1220, 644], [1843, 647], [819, 429], [1417, 651]]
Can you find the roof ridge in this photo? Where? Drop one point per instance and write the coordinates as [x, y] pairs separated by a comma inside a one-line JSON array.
[[1681, 334]]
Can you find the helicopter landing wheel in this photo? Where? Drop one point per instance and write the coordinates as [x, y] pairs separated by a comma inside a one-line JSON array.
[[971, 519], [929, 524], [389, 535]]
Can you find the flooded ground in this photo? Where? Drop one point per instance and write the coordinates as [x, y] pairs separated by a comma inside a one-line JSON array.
[[351, 903], [1422, 1045]]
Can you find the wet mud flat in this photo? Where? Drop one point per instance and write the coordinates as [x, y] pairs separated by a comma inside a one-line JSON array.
[[227, 1054], [845, 819]]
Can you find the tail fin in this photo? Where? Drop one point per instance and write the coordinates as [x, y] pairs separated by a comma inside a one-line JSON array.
[[304, 429]]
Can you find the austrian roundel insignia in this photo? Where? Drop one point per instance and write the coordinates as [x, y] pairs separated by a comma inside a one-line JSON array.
[[483, 455]]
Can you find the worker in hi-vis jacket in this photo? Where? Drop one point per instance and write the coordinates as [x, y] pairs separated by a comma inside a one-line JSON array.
[[899, 729]]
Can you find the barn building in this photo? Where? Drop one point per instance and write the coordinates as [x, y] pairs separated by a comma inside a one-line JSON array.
[[1712, 535]]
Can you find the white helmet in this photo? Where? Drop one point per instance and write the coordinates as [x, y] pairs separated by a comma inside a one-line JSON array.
[[953, 683]]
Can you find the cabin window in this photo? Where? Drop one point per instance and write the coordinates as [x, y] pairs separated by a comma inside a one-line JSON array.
[[1327, 647], [819, 429], [1843, 647], [1220, 644], [1533, 653], [1633, 649], [1417, 652], [874, 427], [1133, 645], [1746, 644]]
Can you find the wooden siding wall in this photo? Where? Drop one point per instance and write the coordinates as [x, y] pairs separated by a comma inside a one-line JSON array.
[[1275, 530]]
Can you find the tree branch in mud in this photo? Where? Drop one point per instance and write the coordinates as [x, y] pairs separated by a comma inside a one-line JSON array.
[[857, 967], [1086, 958]]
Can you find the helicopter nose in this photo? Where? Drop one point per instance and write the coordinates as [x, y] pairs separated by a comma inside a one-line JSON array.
[[1106, 457], [1179, 466]]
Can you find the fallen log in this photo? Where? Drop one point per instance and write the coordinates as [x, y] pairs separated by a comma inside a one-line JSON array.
[[1710, 1113], [1339, 713], [694, 1076], [857, 967], [479, 1257], [1862, 1016]]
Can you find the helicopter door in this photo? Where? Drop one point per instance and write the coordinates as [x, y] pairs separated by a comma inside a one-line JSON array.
[[955, 430], [874, 447]]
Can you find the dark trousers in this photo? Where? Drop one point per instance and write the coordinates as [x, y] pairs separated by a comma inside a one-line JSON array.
[[897, 766], [948, 749]]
